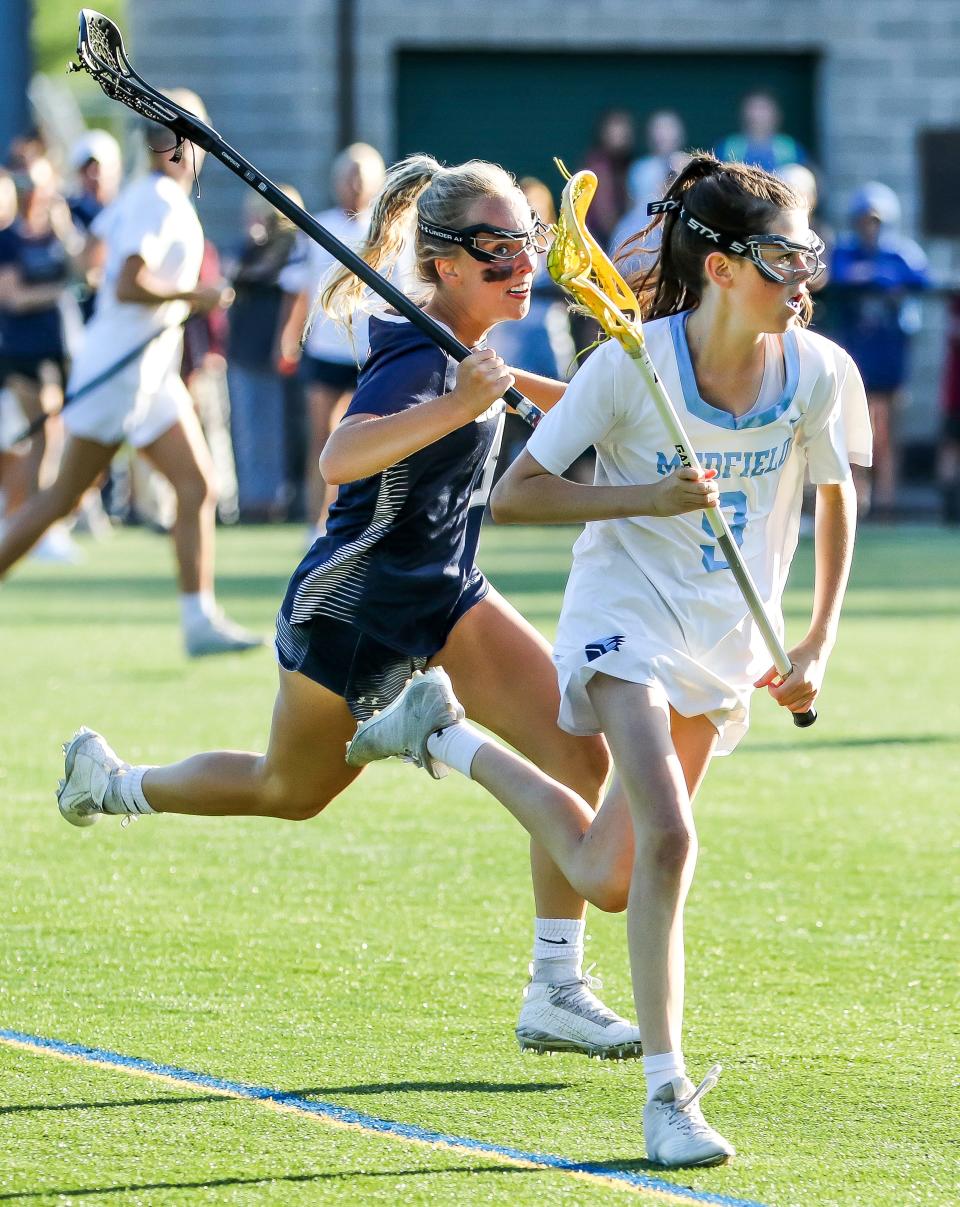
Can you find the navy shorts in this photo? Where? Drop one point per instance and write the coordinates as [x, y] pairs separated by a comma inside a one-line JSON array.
[[31, 367], [351, 664], [317, 372], [365, 671]]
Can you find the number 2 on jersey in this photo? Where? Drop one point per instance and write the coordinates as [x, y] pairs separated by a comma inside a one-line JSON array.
[[736, 502]]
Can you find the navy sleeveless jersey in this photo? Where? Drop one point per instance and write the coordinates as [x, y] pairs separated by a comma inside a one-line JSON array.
[[398, 554]]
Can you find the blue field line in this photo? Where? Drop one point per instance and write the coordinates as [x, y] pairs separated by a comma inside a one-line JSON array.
[[372, 1123]]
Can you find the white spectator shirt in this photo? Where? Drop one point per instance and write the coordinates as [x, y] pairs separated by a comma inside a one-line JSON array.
[[307, 270]]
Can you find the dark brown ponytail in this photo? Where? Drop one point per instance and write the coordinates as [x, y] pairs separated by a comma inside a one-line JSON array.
[[733, 197]]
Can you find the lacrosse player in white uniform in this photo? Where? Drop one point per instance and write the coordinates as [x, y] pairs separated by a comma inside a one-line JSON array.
[[151, 244], [656, 648]]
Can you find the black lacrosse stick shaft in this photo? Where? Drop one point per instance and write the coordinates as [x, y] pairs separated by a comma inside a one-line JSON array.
[[122, 83]]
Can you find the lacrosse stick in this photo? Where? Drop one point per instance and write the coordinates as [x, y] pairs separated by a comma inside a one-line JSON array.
[[100, 51], [580, 266]]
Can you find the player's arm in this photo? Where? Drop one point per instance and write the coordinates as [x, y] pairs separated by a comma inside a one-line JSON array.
[[363, 445], [530, 494], [546, 392], [136, 283], [292, 320], [836, 520], [17, 297]]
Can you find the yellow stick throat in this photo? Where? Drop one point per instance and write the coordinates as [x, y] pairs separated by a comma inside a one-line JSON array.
[[580, 266]]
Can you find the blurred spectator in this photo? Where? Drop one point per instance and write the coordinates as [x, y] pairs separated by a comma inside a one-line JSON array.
[[12, 419], [95, 161], [948, 466], [759, 140], [800, 178], [36, 256], [257, 391], [330, 358], [610, 157], [803, 181], [624, 244], [25, 150], [873, 269], [666, 136], [204, 371]]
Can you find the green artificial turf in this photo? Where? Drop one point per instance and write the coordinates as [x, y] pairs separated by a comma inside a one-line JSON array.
[[375, 956]]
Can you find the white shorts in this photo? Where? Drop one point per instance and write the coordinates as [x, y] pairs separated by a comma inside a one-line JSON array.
[[135, 406], [616, 623]]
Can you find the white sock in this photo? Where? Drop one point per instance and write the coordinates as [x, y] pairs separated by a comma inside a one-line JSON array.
[[125, 792], [457, 746], [557, 950], [197, 606], [662, 1068]]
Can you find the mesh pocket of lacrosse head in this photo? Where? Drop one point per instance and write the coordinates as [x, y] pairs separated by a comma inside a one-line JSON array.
[[104, 56], [101, 47], [578, 264]]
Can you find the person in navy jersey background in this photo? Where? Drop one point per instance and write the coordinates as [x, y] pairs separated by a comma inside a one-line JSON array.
[[873, 269], [37, 253], [393, 586]]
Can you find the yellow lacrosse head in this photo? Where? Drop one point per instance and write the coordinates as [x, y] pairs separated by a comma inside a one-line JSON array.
[[580, 266]]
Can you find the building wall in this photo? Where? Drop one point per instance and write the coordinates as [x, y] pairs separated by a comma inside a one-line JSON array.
[[888, 68]]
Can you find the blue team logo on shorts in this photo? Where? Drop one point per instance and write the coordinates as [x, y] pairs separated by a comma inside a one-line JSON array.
[[606, 645]]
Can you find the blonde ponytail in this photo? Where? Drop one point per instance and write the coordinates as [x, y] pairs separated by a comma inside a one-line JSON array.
[[392, 219], [416, 187]]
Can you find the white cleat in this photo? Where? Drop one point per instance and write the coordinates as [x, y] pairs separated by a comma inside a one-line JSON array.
[[571, 1018], [88, 765], [425, 706], [218, 635], [675, 1130]]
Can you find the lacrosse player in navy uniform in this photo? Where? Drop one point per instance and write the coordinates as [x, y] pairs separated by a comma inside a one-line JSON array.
[[393, 586], [656, 648]]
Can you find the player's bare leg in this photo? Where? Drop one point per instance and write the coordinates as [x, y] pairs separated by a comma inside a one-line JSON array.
[[662, 759], [300, 773], [655, 777], [82, 463], [182, 456], [503, 674], [490, 653]]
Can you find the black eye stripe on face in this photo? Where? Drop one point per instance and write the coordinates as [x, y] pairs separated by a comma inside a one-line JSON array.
[[500, 272]]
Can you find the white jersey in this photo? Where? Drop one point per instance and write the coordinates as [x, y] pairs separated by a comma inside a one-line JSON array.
[[651, 599], [305, 272], [152, 218]]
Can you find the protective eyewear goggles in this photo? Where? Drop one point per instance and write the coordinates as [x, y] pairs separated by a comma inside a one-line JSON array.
[[492, 244], [779, 259]]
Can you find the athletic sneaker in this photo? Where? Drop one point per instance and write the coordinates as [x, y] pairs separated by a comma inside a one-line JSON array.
[[425, 706], [57, 548], [675, 1130], [88, 766], [571, 1018], [218, 635]]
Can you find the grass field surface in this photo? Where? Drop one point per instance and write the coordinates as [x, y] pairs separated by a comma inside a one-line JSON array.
[[373, 959]]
